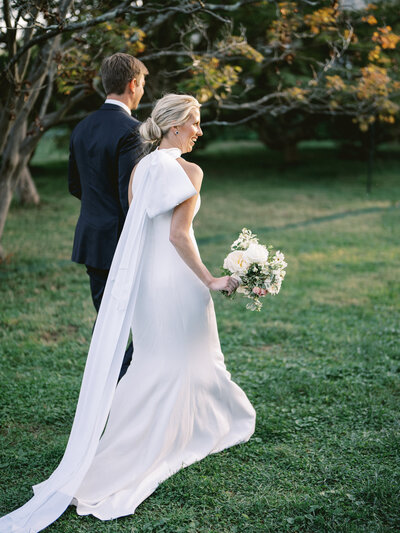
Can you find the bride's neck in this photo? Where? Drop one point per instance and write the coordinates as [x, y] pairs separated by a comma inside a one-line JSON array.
[[166, 143]]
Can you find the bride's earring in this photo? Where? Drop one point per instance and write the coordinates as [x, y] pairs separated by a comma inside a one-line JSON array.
[[176, 133]]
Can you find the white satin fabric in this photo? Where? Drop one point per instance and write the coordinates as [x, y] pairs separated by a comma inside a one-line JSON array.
[[176, 403]]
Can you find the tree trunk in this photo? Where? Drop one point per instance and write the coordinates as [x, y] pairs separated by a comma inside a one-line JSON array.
[[15, 159], [291, 153], [25, 190], [5, 201]]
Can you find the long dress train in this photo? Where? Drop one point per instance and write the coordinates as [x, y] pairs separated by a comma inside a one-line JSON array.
[[176, 403]]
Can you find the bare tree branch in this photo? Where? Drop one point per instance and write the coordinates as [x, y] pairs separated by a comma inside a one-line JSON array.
[[69, 118], [49, 90], [10, 31], [230, 7], [58, 116], [124, 8], [339, 53], [23, 66], [64, 7], [52, 31]]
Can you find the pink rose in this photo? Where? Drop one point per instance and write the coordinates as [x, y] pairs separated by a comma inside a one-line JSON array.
[[259, 291]]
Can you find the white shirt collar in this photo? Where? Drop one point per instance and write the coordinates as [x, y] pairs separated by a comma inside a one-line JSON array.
[[117, 102]]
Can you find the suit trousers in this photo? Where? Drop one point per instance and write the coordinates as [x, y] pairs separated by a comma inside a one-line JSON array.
[[98, 279]]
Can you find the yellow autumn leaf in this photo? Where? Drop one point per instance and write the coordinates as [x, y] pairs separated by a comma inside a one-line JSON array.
[[335, 83], [370, 19], [296, 93], [386, 38]]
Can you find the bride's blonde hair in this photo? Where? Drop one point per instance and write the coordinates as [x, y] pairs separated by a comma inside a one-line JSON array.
[[170, 110]]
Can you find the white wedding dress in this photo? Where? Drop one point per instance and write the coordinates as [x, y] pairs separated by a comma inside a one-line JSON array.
[[176, 403]]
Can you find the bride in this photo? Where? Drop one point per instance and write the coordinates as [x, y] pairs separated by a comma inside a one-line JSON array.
[[176, 403]]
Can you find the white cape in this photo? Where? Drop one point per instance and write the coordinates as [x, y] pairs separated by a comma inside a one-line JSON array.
[[160, 184]]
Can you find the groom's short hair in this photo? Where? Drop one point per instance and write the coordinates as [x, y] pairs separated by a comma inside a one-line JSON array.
[[118, 70]]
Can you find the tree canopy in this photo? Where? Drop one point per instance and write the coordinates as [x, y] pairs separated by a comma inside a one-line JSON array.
[[267, 63]]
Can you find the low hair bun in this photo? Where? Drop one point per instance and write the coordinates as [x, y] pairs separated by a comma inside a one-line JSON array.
[[170, 110], [150, 131]]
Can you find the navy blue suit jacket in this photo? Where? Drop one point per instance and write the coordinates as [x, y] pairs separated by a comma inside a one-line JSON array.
[[104, 148]]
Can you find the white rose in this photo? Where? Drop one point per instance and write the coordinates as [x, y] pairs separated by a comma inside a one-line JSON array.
[[236, 263], [256, 253]]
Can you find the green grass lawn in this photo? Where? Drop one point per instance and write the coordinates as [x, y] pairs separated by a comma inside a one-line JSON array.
[[320, 363]]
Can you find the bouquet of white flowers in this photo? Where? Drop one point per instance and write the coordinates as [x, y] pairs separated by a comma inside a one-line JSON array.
[[255, 267]]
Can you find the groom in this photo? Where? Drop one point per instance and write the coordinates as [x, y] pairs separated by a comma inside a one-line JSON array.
[[104, 148]]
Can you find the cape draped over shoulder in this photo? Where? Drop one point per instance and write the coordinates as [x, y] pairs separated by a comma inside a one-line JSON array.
[[159, 185]]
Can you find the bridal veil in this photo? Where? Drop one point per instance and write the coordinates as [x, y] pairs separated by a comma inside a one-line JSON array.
[[159, 185]]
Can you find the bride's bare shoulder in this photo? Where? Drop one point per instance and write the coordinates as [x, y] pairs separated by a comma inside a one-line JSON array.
[[193, 171]]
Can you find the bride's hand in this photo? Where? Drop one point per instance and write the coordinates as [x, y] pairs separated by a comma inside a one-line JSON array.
[[226, 283]]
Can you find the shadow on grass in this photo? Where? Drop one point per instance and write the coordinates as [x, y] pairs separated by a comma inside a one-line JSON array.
[[317, 220]]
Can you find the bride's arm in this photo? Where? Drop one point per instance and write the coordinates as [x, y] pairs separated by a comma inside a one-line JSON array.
[[130, 185], [179, 235]]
